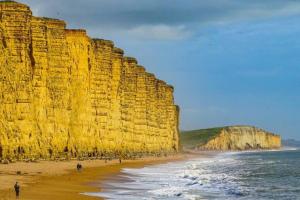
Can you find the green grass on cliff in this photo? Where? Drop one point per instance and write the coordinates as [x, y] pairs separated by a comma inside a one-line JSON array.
[[194, 138]]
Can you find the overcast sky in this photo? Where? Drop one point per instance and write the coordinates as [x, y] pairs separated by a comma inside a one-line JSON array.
[[231, 61]]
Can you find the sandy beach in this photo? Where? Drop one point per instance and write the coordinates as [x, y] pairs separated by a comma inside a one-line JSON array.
[[61, 180]]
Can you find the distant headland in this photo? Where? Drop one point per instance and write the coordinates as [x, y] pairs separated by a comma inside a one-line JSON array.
[[230, 138]]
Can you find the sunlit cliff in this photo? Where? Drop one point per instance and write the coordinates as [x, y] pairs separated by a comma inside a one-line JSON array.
[[64, 94]]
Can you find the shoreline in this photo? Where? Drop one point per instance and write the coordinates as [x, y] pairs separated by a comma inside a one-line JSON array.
[[108, 184], [50, 180]]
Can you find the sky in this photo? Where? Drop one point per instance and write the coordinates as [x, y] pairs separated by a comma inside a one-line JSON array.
[[232, 62]]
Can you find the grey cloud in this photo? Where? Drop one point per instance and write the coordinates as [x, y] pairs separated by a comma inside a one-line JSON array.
[[125, 16]]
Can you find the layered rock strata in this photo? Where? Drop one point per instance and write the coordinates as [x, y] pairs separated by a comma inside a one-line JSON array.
[[64, 94], [242, 138]]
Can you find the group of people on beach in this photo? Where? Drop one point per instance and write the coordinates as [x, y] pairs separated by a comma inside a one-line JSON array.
[[79, 168]]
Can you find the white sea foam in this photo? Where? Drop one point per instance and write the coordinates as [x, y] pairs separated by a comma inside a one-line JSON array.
[[224, 176], [290, 148], [171, 180], [261, 150]]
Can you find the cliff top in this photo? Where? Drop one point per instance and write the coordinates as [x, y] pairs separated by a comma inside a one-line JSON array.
[[99, 41], [118, 50], [247, 127], [130, 60], [193, 138], [12, 2], [12, 5], [83, 31], [141, 68]]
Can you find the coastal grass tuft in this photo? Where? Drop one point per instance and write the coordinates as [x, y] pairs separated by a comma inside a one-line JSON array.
[[194, 138]]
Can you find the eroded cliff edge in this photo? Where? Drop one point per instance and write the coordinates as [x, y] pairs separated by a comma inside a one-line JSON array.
[[231, 138], [64, 94]]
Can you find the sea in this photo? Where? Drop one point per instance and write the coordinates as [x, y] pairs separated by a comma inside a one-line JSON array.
[[234, 175]]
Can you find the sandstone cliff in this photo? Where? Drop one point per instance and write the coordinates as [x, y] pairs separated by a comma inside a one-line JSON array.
[[64, 94], [231, 138]]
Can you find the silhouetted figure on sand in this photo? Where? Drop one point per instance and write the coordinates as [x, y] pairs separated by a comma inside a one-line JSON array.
[[17, 189], [79, 167]]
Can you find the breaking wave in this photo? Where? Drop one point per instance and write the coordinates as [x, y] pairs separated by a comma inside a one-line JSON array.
[[251, 175]]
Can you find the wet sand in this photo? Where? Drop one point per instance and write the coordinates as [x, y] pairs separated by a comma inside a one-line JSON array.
[[50, 180]]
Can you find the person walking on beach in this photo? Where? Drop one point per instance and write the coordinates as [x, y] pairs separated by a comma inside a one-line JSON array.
[[17, 189], [79, 167]]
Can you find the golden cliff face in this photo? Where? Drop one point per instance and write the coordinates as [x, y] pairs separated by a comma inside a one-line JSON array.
[[243, 138], [67, 95]]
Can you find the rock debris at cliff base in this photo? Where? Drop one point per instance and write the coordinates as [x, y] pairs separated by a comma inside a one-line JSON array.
[[64, 94]]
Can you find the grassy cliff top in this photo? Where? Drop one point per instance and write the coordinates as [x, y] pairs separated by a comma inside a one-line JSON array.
[[191, 139]]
